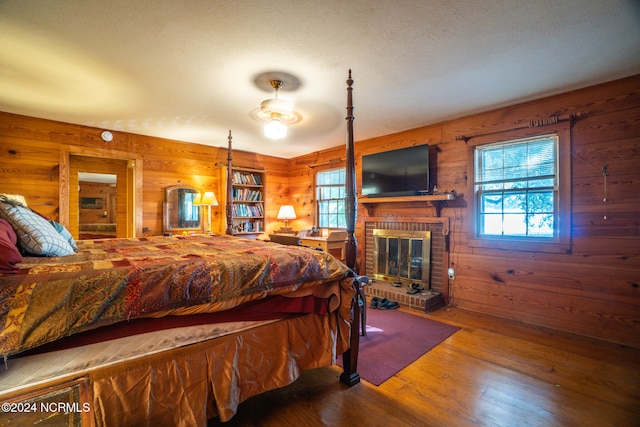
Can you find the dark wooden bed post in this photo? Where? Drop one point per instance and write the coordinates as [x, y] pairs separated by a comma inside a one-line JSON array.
[[350, 374], [351, 246], [229, 205]]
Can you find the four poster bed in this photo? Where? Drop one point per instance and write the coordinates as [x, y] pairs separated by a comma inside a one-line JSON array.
[[171, 330]]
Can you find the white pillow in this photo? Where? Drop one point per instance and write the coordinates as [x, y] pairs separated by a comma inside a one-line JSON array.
[[36, 235], [13, 199]]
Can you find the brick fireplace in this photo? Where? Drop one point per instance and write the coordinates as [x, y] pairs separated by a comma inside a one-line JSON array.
[[429, 242]]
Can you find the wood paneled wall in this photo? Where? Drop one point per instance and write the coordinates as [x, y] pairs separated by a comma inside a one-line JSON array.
[[31, 150], [104, 212], [595, 289]]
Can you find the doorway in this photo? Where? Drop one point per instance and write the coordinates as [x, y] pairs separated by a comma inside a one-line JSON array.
[[101, 197], [97, 210]]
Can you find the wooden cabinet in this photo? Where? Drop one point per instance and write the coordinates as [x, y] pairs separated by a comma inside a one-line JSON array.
[[333, 243], [248, 213]]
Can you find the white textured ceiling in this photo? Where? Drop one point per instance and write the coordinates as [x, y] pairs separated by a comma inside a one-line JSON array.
[[185, 69]]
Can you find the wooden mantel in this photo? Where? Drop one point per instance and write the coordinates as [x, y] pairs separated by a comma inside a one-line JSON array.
[[437, 200]]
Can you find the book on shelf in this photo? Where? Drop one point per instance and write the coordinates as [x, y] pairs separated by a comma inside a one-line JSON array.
[[246, 178], [247, 195], [249, 227], [245, 210]]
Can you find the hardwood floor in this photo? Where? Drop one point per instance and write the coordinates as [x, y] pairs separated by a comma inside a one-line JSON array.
[[492, 372]]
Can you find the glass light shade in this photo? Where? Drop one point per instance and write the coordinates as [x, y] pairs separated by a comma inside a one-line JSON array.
[[275, 129], [286, 212]]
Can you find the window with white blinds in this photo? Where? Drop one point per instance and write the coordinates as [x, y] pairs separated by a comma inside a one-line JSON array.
[[516, 188]]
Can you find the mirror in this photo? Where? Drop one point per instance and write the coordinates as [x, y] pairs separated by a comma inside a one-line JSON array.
[[180, 213], [97, 210]]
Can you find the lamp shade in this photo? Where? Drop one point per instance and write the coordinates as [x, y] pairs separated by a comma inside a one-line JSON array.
[[209, 198], [286, 212]]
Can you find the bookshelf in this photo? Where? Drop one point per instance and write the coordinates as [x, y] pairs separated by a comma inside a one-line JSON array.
[[247, 196]]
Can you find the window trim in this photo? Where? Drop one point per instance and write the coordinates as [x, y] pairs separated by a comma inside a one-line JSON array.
[[317, 200], [561, 243]]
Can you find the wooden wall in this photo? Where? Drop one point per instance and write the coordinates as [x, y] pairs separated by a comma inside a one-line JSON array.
[[594, 289], [32, 155], [103, 212]]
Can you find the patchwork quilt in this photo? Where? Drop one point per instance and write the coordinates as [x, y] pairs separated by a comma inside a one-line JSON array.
[[114, 280]]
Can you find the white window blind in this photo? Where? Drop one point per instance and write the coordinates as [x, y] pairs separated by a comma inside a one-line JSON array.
[[516, 188]]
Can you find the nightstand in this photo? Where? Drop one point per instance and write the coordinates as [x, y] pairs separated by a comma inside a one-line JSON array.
[[333, 243]]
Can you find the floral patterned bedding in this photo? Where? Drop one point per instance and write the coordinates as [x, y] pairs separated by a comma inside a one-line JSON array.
[[114, 280]]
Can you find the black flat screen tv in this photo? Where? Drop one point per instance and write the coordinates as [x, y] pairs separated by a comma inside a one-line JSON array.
[[402, 172]]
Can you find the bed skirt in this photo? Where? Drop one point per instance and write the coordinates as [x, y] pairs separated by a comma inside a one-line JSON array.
[[184, 376]]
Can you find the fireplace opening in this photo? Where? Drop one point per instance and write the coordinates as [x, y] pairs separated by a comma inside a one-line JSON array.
[[402, 256]]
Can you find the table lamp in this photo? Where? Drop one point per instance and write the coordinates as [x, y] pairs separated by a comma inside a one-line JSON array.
[[208, 199], [286, 213]]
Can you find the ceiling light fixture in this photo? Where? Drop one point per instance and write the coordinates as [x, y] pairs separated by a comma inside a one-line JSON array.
[[277, 113], [106, 136]]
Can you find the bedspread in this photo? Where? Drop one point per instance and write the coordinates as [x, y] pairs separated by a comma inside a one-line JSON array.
[[114, 280]]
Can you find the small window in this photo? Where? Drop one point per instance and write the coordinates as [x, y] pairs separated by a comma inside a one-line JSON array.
[[516, 184], [522, 190], [330, 196]]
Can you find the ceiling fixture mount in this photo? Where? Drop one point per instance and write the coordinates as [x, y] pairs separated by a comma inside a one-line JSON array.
[[277, 113]]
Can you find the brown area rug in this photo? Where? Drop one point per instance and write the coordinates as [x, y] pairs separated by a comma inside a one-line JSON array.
[[394, 340]]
